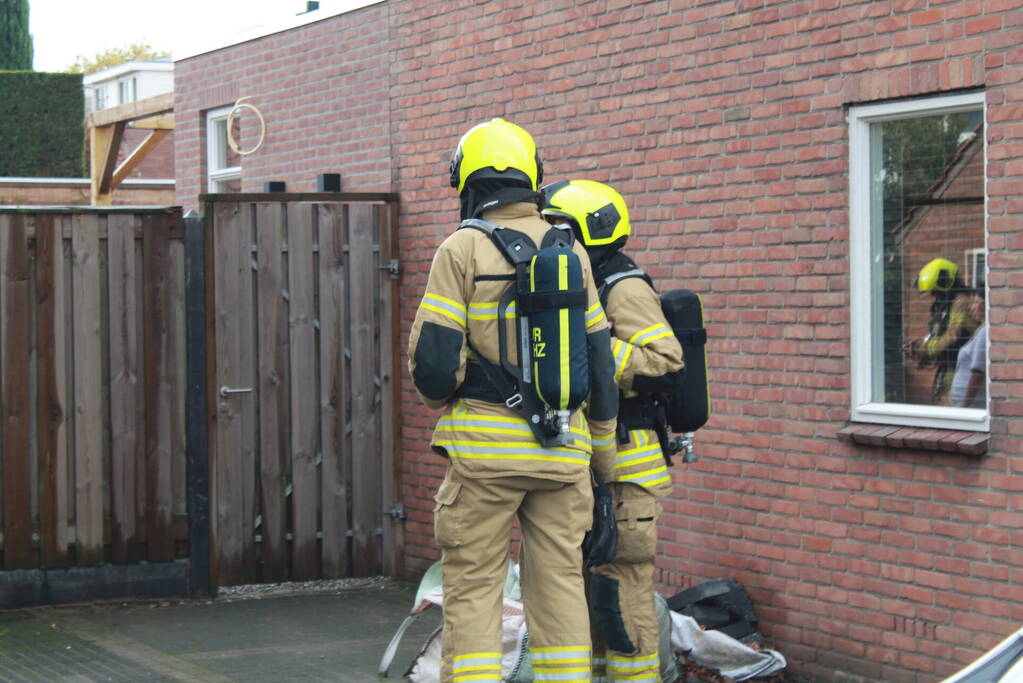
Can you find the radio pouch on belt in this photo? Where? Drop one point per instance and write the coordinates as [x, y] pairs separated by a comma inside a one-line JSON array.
[[551, 379]]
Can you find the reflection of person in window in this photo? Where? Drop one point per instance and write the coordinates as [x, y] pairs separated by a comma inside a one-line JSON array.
[[950, 326], [968, 382]]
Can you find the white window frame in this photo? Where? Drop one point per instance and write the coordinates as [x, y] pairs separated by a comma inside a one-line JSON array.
[[971, 258], [215, 144], [865, 302]]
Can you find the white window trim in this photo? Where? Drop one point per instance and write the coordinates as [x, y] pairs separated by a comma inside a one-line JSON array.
[[220, 174], [863, 299]]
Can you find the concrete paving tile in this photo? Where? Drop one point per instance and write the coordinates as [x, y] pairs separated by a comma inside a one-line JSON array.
[[335, 636]]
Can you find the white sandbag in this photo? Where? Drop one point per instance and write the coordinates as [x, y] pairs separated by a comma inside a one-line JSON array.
[[722, 652]]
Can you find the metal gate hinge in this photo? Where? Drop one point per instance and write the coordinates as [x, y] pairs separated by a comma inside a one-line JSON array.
[[397, 512], [392, 267]]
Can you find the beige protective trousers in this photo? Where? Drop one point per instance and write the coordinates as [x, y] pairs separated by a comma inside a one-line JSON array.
[[473, 524], [636, 513]]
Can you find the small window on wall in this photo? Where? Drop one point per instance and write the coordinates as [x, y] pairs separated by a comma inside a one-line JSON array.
[[223, 164], [918, 259]]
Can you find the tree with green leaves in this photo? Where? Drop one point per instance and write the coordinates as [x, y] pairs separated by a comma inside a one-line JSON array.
[[136, 52], [15, 40]]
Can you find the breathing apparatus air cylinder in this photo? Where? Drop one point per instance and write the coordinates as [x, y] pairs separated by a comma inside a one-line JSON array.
[[689, 408], [557, 328]]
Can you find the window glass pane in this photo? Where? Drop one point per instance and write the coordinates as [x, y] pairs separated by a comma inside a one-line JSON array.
[[218, 133], [222, 156], [233, 158], [927, 203]]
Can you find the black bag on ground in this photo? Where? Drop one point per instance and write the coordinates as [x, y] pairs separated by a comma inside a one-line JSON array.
[[720, 605]]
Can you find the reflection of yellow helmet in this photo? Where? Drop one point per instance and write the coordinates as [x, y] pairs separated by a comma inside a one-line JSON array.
[[598, 212], [939, 274], [501, 150]]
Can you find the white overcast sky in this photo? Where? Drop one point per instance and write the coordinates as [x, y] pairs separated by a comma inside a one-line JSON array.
[[64, 29]]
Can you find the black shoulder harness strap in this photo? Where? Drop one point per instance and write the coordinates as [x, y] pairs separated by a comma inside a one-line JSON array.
[[617, 268]]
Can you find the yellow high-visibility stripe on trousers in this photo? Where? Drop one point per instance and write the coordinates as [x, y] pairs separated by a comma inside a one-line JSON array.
[[641, 668], [476, 666], [562, 664]]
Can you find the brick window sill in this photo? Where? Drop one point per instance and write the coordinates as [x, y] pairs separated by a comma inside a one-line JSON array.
[[889, 436]]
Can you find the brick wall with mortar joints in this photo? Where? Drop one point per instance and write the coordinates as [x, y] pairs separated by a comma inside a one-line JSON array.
[[723, 124], [325, 105]]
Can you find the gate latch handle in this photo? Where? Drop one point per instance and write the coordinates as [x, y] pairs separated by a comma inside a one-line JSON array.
[[225, 390]]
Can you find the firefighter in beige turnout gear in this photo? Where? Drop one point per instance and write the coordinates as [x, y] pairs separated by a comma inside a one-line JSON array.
[[497, 470], [648, 358]]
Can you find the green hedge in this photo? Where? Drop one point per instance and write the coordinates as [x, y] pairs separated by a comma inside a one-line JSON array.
[[42, 125]]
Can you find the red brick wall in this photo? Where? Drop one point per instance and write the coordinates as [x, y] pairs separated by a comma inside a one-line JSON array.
[[79, 192], [322, 90], [723, 124], [158, 163]]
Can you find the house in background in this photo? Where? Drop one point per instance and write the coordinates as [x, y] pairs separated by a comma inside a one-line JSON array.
[[127, 83]]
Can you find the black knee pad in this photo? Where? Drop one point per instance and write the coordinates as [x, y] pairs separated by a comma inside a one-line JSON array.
[[605, 605]]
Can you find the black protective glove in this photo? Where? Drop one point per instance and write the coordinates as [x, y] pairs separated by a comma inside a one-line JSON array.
[[600, 545]]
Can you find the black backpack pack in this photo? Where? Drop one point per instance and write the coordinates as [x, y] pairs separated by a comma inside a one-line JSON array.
[[687, 408]]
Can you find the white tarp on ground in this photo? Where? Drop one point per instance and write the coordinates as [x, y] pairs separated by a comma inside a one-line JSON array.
[[712, 649]]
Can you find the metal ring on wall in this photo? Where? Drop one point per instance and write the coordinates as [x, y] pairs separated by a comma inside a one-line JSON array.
[[241, 104]]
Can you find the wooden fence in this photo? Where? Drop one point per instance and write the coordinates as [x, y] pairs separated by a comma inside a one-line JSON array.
[[221, 389], [302, 385], [92, 396]]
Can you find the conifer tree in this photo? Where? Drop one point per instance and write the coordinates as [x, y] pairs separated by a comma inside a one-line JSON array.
[[15, 39]]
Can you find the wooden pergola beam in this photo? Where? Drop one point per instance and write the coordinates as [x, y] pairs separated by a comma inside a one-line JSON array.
[[139, 109], [159, 122], [106, 130], [104, 143], [136, 157]]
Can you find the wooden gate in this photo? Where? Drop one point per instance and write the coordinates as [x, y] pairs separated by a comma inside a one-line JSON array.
[[92, 436], [301, 293]]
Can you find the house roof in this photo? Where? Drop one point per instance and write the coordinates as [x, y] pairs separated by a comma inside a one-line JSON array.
[[126, 68], [327, 9]]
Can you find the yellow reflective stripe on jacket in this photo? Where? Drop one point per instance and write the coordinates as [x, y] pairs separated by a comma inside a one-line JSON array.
[[487, 310], [636, 456], [634, 462], [495, 424], [649, 334], [647, 478], [594, 314], [621, 352], [445, 306], [497, 450]]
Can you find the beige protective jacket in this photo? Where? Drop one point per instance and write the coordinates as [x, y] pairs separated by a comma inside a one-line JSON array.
[[467, 278], [642, 345]]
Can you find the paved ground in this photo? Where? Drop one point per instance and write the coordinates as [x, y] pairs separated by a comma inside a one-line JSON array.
[[338, 635]]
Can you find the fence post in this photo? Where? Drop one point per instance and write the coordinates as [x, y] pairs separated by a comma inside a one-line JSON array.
[[197, 474]]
